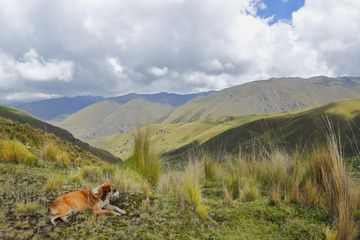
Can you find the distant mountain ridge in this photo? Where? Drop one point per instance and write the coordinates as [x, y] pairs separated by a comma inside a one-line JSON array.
[[172, 99], [273, 95], [49, 109]]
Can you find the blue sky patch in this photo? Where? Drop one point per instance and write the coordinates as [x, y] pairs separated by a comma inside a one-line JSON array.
[[280, 9]]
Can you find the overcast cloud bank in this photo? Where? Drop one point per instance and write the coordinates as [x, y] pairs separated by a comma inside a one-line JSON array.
[[110, 47]]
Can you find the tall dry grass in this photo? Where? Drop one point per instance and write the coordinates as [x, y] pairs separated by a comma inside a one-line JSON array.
[[50, 151], [12, 151], [144, 157], [328, 171], [191, 186]]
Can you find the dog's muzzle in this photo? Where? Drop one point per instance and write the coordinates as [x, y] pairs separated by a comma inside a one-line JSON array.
[[116, 194]]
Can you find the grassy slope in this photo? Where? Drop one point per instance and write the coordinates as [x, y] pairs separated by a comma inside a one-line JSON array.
[[163, 219], [168, 137], [109, 118], [274, 95], [228, 132], [245, 220], [25, 118], [302, 127]]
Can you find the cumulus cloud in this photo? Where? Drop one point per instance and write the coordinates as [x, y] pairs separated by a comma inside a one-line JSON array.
[[34, 67], [111, 47]]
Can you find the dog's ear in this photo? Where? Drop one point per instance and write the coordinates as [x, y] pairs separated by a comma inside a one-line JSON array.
[[103, 192]]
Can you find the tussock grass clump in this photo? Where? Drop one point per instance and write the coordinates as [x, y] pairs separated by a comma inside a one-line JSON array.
[[50, 151], [249, 190], [294, 195], [125, 179], [76, 178], [227, 196], [145, 159], [12, 151], [275, 196], [276, 171], [146, 189], [54, 183], [212, 169], [31, 159], [202, 211], [23, 208], [192, 190], [92, 174], [63, 157], [329, 174], [312, 196]]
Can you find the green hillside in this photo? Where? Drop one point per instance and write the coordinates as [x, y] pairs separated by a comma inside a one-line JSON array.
[[109, 118], [169, 137], [273, 95], [297, 128], [25, 118], [302, 126]]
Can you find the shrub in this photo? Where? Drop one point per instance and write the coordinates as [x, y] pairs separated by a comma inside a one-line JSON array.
[[144, 159], [50, 151], [12, 151], [31, 159]]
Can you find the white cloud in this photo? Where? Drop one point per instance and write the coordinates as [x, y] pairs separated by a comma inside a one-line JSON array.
[[21, 96], [158, 72], [34, 67]]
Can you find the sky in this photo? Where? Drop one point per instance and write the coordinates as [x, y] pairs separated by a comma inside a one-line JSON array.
[[58, 48]]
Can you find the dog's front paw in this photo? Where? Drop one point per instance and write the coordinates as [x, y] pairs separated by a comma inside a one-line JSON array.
[[122, 211]]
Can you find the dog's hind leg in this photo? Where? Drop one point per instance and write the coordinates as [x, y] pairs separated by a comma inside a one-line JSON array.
[[63, 212], [64, 218]]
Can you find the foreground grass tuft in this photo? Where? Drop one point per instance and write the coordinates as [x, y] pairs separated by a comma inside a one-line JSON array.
[[12, 151], [145, 159], [23, 208]]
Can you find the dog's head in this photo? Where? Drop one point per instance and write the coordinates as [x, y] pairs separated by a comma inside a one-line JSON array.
[[106, 190]]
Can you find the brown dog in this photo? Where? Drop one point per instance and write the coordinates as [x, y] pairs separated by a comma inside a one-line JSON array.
[[78, 201]]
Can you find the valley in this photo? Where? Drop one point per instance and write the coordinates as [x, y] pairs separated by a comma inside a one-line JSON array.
[[203, 167]]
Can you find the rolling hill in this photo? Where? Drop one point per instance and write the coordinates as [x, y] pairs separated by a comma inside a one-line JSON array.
[[108, 118], [121, 114], [22, 117], [299, 128], [50, 109], [302, 126], [273, 95]]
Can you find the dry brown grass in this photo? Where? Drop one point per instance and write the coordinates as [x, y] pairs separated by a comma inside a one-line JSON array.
[[329, 174], [12, 151]]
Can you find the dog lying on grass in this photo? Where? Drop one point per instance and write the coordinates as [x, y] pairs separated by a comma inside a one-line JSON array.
[[78, 201]]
